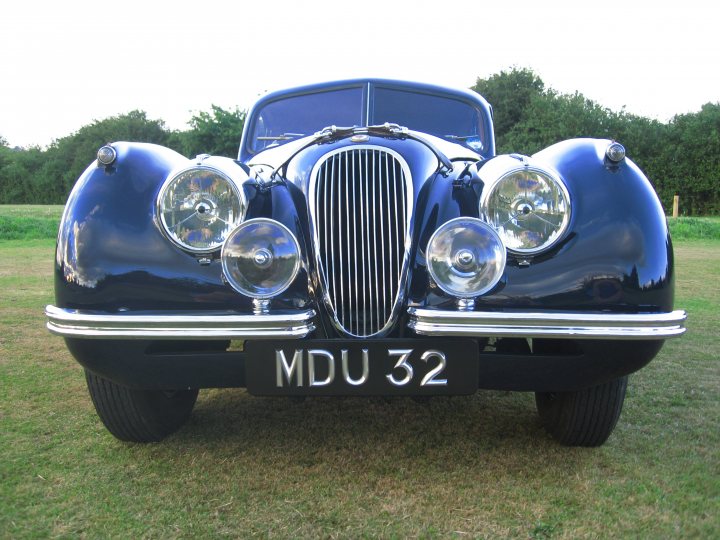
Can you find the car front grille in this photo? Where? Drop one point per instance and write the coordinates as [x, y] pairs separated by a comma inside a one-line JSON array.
[[361, 205]]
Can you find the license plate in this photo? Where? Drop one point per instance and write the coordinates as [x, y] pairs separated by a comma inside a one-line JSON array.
[[362, 368]]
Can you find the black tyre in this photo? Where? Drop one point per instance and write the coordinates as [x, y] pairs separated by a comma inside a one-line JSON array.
[[583, 418], [139, 415]]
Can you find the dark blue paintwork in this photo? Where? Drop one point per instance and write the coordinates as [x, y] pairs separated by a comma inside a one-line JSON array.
[[112, 255], [616, 255]]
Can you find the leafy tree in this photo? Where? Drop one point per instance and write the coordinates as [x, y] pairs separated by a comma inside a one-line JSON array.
[[682, 156], [216, 132], [66, 158], [550, 117], [690, 158], [510, 94], [18, 175]]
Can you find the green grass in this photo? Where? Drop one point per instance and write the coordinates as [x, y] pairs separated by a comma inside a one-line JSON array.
[[695, 228], [477, 466], [29, 222], [25, 222]]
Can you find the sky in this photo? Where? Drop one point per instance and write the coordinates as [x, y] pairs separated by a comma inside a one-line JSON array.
[[65, 64]]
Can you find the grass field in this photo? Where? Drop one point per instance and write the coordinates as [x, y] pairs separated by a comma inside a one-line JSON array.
[[478, 466]]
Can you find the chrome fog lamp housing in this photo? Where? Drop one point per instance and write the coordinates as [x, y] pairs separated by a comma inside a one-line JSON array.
[[261, 258], [465, 257], [198, 206], [528, 205]]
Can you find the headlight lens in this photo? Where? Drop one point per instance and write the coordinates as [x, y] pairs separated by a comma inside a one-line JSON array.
[[198, 207], [261, 258], [528, 207], [465, 257]]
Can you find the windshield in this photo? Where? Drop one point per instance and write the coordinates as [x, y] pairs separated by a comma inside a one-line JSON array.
[[443, 117], [299, 115]]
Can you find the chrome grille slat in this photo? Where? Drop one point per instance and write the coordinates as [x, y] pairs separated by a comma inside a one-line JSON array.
[[360, 213]]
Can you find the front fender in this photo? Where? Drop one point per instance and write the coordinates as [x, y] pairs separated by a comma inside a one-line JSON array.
[[112, 255], [619, 253], [616, 254]]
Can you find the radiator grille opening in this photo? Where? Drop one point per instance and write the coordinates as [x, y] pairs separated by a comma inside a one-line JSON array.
[[361, 206]]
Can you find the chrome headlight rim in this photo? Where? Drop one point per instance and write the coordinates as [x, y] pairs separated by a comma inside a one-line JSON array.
[[234, 185], [227, 273], [548, 174], [494, 237]]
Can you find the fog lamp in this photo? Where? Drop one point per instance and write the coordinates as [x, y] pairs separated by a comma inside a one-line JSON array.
[[261, 258], [465, 257]]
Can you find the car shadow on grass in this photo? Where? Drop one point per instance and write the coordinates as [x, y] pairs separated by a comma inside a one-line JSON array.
[[398, 426]]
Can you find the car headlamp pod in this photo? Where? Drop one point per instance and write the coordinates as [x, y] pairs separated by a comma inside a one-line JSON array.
[[261, 258], [198, 206], [529, 206], [465, 257]]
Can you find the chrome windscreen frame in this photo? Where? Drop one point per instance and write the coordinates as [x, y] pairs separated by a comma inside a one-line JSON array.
[[399, 299]]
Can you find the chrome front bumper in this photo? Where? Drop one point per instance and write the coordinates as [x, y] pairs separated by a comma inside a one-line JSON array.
[[433, 322], [222, 325]]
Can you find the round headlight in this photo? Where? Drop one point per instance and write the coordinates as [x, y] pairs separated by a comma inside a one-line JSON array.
[[528, 207], [465, 257], [198, 207], [261, 258]]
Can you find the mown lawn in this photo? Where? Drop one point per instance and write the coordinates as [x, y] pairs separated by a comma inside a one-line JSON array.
[[478, 466]]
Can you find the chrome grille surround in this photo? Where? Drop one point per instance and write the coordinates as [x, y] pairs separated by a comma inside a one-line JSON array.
[[361, 206]]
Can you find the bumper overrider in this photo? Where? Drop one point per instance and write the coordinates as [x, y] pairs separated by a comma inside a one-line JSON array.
[[430, 322]]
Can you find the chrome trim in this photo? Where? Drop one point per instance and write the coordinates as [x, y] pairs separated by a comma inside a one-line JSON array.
[[465, 304], [364, 263], [184, 325], [615, 152], [106, 155], [261, 306], [435, 322], [368, 88]]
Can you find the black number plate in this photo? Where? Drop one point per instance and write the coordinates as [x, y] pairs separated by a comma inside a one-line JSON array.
[[368, 367]]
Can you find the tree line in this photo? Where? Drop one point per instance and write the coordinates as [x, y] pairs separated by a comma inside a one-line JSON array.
[[46, 176], [681, 156]]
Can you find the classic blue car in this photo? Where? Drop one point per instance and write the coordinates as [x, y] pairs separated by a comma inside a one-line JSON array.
[[367, 240]]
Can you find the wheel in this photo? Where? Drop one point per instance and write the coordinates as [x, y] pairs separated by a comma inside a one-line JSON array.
[[583, 418], [139, 415]]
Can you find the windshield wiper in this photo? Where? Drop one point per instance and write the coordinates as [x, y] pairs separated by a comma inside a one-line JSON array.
[[472, 141], [283, 137], [460, 137]]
